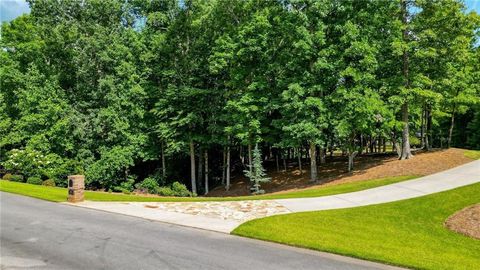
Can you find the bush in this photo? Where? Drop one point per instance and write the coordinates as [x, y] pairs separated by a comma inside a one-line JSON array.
[[180, 190], [34, 180], [7, 176], [157, 175], [126, 186], [17, 178], [415, 141], [148, 184], [165, 191], [49, 183], [32, 162]]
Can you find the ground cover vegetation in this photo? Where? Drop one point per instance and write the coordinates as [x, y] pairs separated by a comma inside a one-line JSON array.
[[135, 92]]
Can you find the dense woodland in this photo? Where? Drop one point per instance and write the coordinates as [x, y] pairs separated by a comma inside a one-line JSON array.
[[122, 90]]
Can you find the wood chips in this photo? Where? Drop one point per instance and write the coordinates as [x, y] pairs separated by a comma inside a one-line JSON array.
[[466, 221]]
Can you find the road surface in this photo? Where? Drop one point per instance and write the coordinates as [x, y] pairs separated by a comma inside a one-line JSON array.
[[36, 234]]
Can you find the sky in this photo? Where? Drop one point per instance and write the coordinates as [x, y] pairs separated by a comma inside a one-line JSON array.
[[10, 9]]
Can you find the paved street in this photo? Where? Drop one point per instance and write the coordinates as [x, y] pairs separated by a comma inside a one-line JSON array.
[[37, 234]]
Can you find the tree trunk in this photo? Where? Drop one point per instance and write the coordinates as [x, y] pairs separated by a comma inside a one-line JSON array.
[[192, 167], [378, 144], [428, 138], [351, 156], [395, 145], [242, 157], [200, 169], [164, 169], [322, 155], [361, 144], [300, 160], [250, 157], [331, 146], [224, 165], [284, 162], [450, 130], [276, 160], [126, 173], [313, 163], [227, 186], [427, 141], [206, 172], [422, 129], [406, 152]]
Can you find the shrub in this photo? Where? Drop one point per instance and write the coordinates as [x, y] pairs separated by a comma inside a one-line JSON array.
[[7, 176], [49, 183], [59, 169], [165, 191], [34, 180], [415, 141], [28, 161], [108, 170], [148, 184], [180, 190], [17, 178], [126, 186], [157, 175], [32, 162]]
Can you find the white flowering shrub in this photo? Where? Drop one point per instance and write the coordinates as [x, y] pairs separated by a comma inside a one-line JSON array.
[[33, 163], [27, 162]]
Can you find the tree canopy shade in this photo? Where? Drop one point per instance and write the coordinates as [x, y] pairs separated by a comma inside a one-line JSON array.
[[183, 90]]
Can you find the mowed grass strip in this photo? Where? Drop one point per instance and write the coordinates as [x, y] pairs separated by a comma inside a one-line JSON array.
[[57, 194], [407, 233], [473, 154]]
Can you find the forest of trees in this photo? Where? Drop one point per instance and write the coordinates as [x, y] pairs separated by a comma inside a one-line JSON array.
[[121, 90]]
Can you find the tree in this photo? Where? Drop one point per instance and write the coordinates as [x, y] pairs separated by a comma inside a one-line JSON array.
[[406, 153], [184, 89], [256, 172]]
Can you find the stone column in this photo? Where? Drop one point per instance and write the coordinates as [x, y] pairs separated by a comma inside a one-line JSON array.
[[76, 187]]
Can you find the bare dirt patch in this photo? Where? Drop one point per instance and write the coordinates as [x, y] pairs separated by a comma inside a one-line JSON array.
[[466, 221], [366, 167]]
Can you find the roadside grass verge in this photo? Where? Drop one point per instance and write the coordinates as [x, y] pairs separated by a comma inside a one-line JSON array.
[[57, 194], [408, 233], [473, 154]]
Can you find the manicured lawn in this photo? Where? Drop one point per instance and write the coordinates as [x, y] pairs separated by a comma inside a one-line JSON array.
[[473, 154], [60, 194], [407, 233]]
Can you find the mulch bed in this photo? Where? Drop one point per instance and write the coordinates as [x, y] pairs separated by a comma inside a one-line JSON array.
[[366, 167], [466, 221]]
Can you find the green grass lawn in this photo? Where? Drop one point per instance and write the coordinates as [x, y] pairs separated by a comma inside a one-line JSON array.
[[407, 233], [473, 154], [57, 194]]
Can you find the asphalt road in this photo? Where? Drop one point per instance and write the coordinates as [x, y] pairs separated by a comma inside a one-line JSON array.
[[36, 234]]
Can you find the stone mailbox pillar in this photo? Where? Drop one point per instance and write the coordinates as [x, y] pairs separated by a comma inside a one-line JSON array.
[[76, 187]]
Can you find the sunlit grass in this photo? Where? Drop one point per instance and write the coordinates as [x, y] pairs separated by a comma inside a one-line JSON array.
[[57, 194], [473, 154]]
